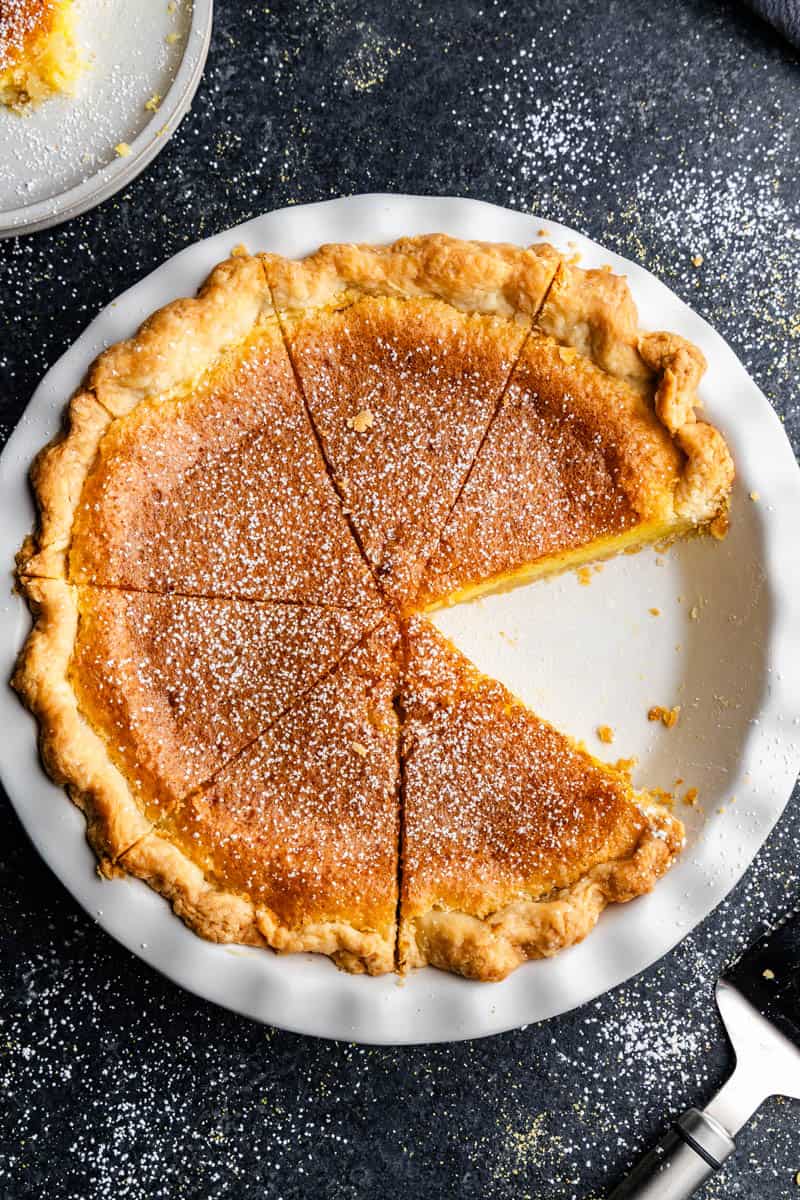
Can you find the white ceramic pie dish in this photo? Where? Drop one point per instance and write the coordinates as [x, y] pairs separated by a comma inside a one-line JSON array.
[[724, 645]]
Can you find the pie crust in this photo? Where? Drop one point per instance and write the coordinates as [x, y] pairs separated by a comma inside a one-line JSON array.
[[219, 462]]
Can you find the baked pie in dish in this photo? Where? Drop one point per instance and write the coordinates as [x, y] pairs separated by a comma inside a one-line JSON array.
[[252, 506], [39, 55]]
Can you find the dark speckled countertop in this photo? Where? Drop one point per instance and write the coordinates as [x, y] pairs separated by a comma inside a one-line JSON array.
[[667, 129]]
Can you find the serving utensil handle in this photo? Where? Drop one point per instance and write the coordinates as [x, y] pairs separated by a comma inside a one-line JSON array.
[[691, 1152]]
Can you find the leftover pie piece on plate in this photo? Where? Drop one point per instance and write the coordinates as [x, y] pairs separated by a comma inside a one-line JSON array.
[[245, 500], [38, 52]]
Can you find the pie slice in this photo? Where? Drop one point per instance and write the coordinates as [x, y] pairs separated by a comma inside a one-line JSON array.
[[172, 687], [594, 450], [39, 55], [189, 465], [294, 843], [401, 385], [514, 840]]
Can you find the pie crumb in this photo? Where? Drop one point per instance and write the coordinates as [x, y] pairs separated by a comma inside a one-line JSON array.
[[172, 38], [605, 733], [690, 799], [359, 749], [768, 974], [655, 612], [625, 766], [697, 260], [667, 716], [362, 421], [584, 576], [754, 496], [122, 149], [152, 105]]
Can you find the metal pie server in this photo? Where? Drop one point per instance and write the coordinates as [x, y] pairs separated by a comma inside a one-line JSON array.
[[759, 1002]]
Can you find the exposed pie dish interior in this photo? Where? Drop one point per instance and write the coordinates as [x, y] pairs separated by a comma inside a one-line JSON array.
[[252, 506]]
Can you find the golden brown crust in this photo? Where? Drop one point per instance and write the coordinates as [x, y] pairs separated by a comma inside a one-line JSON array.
[[220, 915], [73, 753], [212, 912], [490, 947], [702, 492], [57, 477], [481, 277], [595, 312], [182, 340]]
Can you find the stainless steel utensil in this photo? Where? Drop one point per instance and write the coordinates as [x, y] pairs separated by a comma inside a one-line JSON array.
[[759, 1002]]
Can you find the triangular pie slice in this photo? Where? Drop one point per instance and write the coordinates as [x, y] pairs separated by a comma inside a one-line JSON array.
[[402, 356], [595, 449], [294, 843], [220, 492], [514, 839], [178, 685]]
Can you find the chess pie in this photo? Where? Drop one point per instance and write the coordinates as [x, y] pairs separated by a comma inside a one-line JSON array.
[[38, 51], [251, 506]]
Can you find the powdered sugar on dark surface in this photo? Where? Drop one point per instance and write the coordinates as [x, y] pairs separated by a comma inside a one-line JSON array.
[[668, 132]]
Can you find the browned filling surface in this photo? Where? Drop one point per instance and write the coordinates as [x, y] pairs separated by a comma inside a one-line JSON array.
[[497, 804], [401, 393], [572, 456], [220, 492], [305, 820], [179, 685]]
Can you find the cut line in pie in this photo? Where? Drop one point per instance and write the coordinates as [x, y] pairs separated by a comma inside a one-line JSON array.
[[252, 503]]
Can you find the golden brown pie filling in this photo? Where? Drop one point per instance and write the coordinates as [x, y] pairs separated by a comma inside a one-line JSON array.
[[251, 505]]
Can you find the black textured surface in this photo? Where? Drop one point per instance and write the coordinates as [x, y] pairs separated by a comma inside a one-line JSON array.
[[667, 130]]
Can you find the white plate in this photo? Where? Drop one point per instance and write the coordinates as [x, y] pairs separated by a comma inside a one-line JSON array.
[[581, 655], [60, 159]]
